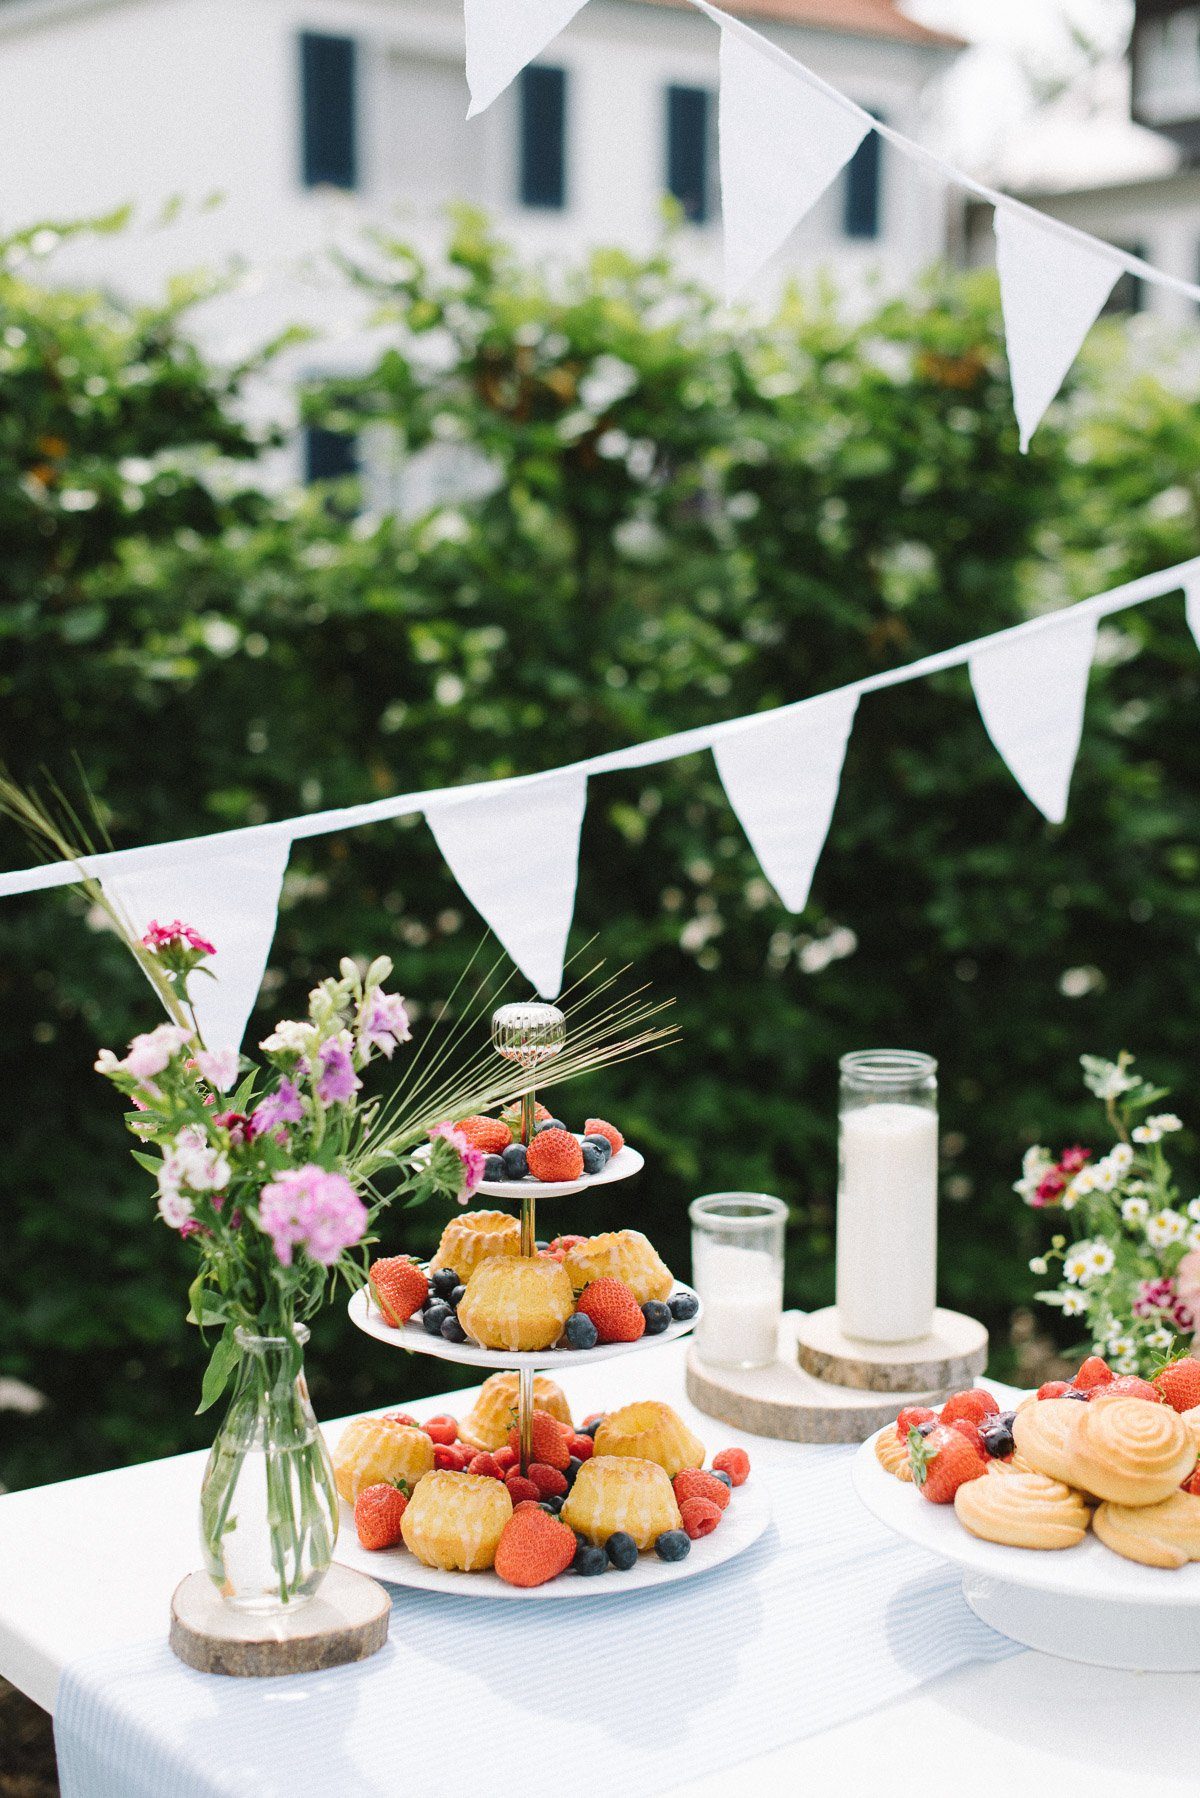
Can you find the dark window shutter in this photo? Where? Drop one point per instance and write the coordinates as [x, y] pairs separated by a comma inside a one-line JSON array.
[[329, 455], [543, 136], [328, 125], [1129, 290], [689, 112], [862, 191]]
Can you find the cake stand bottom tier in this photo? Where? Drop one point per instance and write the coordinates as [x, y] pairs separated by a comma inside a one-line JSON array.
[[1135, 1638]]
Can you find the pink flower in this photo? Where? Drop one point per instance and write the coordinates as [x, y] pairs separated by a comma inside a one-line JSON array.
[[168, 936], [219, 1067], [149, 1054], [283, 1106], [1071, 1160], [384, 1024], [1153, 1296], [309, 1208], [1050, 1188], [239, 1126], [339, 1082], [1187, 1282], [473, 1159]]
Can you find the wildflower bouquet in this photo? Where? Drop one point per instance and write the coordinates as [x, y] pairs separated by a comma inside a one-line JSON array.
[[1132, 1272]]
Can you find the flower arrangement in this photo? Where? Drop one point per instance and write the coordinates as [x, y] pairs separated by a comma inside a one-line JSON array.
[[1131, 1273]]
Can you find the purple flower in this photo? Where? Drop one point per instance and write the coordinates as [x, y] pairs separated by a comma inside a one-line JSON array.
[[473, 1159], [384, 1023], [308, 1208], [283, 1106], [338, 1082]]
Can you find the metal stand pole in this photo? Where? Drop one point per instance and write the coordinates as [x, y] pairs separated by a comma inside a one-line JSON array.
[[528, 1247]]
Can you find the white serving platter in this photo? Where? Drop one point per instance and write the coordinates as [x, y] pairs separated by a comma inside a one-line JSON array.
[[1082, 1604], [620, 1166], [746, 1517], [414, 1337]]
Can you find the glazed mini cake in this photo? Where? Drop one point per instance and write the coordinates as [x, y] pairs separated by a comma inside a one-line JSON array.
[[617, 1492], [487, 1424], [476, 1237], [516, 1303], [621, 1255], [373, 1449], [455, 1520], [650, 1431]]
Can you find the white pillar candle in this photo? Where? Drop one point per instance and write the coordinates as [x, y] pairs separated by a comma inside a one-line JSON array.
[[742, 1293], [887, 1221]]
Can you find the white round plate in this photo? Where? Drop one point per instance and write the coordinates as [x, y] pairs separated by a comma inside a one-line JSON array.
[[414, 1337], [745, 1519], [620, 1166], [1084, 1603]]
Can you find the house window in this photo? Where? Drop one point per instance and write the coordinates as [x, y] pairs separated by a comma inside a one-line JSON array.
[[328, 125], [861, 193], [429, 152], [329, 455], [691, 142], [543, 137], [1129, 292]]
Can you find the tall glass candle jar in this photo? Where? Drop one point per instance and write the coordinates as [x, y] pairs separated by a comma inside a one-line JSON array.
[[887, 1195], [737, 1267]]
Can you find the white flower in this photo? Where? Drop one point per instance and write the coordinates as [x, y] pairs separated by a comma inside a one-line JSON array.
[[1165, 1228], [1127, 1363], [1100, 1260], [1135, 1211], [1120, 1157], [1165, 1123], [290, 1037], [106, 1062], [1105, 1078], [192, 1165], [219, 1067], [149, 1054], [1193, 1211], [1074, 1304], [174, 1209], [1069, 1199], [1104, 1176], [1039, 1265], [1076, 1262], [1122, 1345], [1146, 1132], [1193, 1237], [1158, 1338], [1084, 1181]]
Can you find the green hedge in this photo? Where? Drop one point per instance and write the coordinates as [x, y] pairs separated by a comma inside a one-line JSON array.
[[690, 518]]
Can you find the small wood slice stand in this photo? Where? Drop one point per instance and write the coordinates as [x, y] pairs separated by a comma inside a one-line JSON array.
[[346, 1621], [792, 1404], [952, 1356]]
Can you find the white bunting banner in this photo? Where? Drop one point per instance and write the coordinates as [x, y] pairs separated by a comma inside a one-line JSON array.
[[781, 776], [1052, 289], [1191, 600], [1031, 690], [504, 35], [230, 895], [783, 141], [515, 854]]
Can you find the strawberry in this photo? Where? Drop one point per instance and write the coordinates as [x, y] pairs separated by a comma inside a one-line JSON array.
[[700, 1516], [691, 1483], [398, 1287], [593, 1417], [555, 1155], [1128, 1385], [403, 1417], [511, 1115], [975, 1404], [488, 1134], [1053, 1389], [1192, 1483], [970, 1431], [505, 1458], [735, 1462], [581, 1447], [519, 1487], [561, 1247], [614, 1310], [446, 1454], [1179, 1383], [378, 1510], [549, 1441], [1094, 1372], [548, 1480], [534, 1548], [486, 1466], [942, 1462], [441, 1429], [598, 1127], [908, 1420]]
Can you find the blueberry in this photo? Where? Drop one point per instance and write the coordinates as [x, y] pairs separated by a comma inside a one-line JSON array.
[[434, 1316], [549, 1124], [572, 1471], [516, 1166], [657, 1317], [1072, 1393], [998, 1440], [456, 1297], [444, 1282], [493, 1167], [554, 1505], [589, 1560], [589, 1429], [683, 1306], [725, 1478], [581, 1331], [621, 1550], [593, 1160], [1006, 1418], [600, 1143], [673, 1545], [452, 1330], [541, 1246], [923, 1429]]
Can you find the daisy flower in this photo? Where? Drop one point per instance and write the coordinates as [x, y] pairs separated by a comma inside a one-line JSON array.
[[1166, 1227]]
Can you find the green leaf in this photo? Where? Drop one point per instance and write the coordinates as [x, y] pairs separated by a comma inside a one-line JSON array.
[[151, 1163], [221, 1365]]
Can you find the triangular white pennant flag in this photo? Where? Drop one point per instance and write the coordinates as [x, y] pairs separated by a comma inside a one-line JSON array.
[[230, 895], [504, 35], [515, 853], [781, 774], [1191, 601], [1031, 691], [1052, 288], [782, 142]]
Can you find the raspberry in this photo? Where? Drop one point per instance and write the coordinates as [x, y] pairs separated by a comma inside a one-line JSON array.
[[561, 1247], [488, 1134], [534, 1548], [593, 1417], [598, 1127], [700, 1516], [377, 1513], [486, 1466], [398, 1287], [910, 1417], [548, 1480], [691, 1483], [519, 1488], [505, 1459], [446, 1454], [1179, 1383], [582, 1447], [975, 1404], [1053, 1389], [555, 1155], [441, 1429], [613, 1308], [1094, 1372], [549, 1441], [401, 1417], [735, 1462]]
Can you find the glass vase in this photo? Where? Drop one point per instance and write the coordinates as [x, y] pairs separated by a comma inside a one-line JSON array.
[[268, 1502]]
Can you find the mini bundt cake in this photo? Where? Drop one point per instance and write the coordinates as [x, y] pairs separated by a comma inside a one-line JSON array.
[[516, 1303], [474, 1237], [372, 1449], [455, 1520], [650, 1431], [487, 1425], [621, 1255], [616, 1492]]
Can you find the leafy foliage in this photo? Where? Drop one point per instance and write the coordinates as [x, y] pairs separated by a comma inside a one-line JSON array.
[[665, 517]]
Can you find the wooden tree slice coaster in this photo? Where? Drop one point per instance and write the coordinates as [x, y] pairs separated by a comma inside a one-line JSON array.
[[953, 1355], [786, 1402], [346, 1621]]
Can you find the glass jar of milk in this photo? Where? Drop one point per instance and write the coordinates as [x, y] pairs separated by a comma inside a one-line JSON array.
[[887, 1195], [737, 1266]]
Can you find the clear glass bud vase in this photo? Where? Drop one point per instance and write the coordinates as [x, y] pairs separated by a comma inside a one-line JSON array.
[[268, 1503]]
